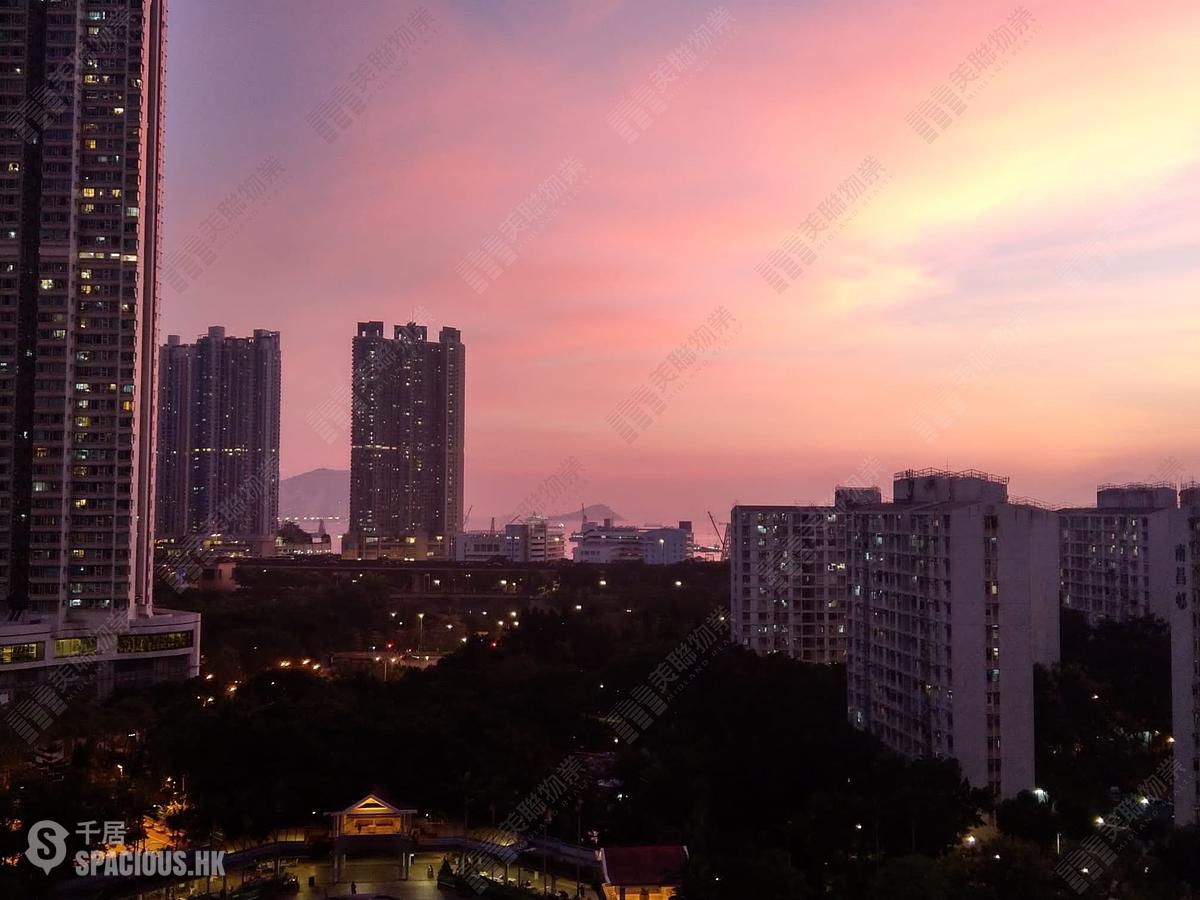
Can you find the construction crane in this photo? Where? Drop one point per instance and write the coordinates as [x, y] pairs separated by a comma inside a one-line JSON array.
[[722, 536]]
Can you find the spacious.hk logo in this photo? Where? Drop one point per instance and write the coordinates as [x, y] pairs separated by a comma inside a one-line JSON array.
[[48, 849], [47, 845]]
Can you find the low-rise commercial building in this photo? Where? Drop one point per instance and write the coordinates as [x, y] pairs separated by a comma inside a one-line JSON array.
[[47, 661], [604, 542], [418, 547], [536, 539]]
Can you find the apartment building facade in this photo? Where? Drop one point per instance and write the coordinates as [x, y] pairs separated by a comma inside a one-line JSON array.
[[1118, 556], [953, 597], [172, 479], [1185, 660], [80, 190], [218, 435], [788, 588], [407, 422]]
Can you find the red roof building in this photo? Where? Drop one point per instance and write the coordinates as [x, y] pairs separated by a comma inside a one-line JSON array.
[[643, 873]]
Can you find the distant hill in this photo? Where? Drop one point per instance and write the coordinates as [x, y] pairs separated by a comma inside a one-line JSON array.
[[321, 492], [597, 512]]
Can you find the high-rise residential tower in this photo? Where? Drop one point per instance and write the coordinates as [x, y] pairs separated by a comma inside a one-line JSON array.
[[218, 435], [80, 215], [1118, 557], [1184, 617], [787, 570], [172, 482], [406, 438], [953, 597]]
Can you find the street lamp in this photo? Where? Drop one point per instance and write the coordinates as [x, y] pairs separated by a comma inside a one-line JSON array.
[[420, 628], [578, 843]]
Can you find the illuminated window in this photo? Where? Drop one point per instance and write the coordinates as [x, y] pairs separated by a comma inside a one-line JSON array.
[[47, 284], [15, 653], [147, 643], [89, 192], [81, 503], [74, 646]]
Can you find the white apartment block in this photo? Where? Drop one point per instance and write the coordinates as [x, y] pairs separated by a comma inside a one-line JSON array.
[[953, 597], [1118, 557], [1185, 659], [787, 570]]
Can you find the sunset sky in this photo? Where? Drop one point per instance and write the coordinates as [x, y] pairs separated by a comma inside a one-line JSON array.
[[1017, 294]]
